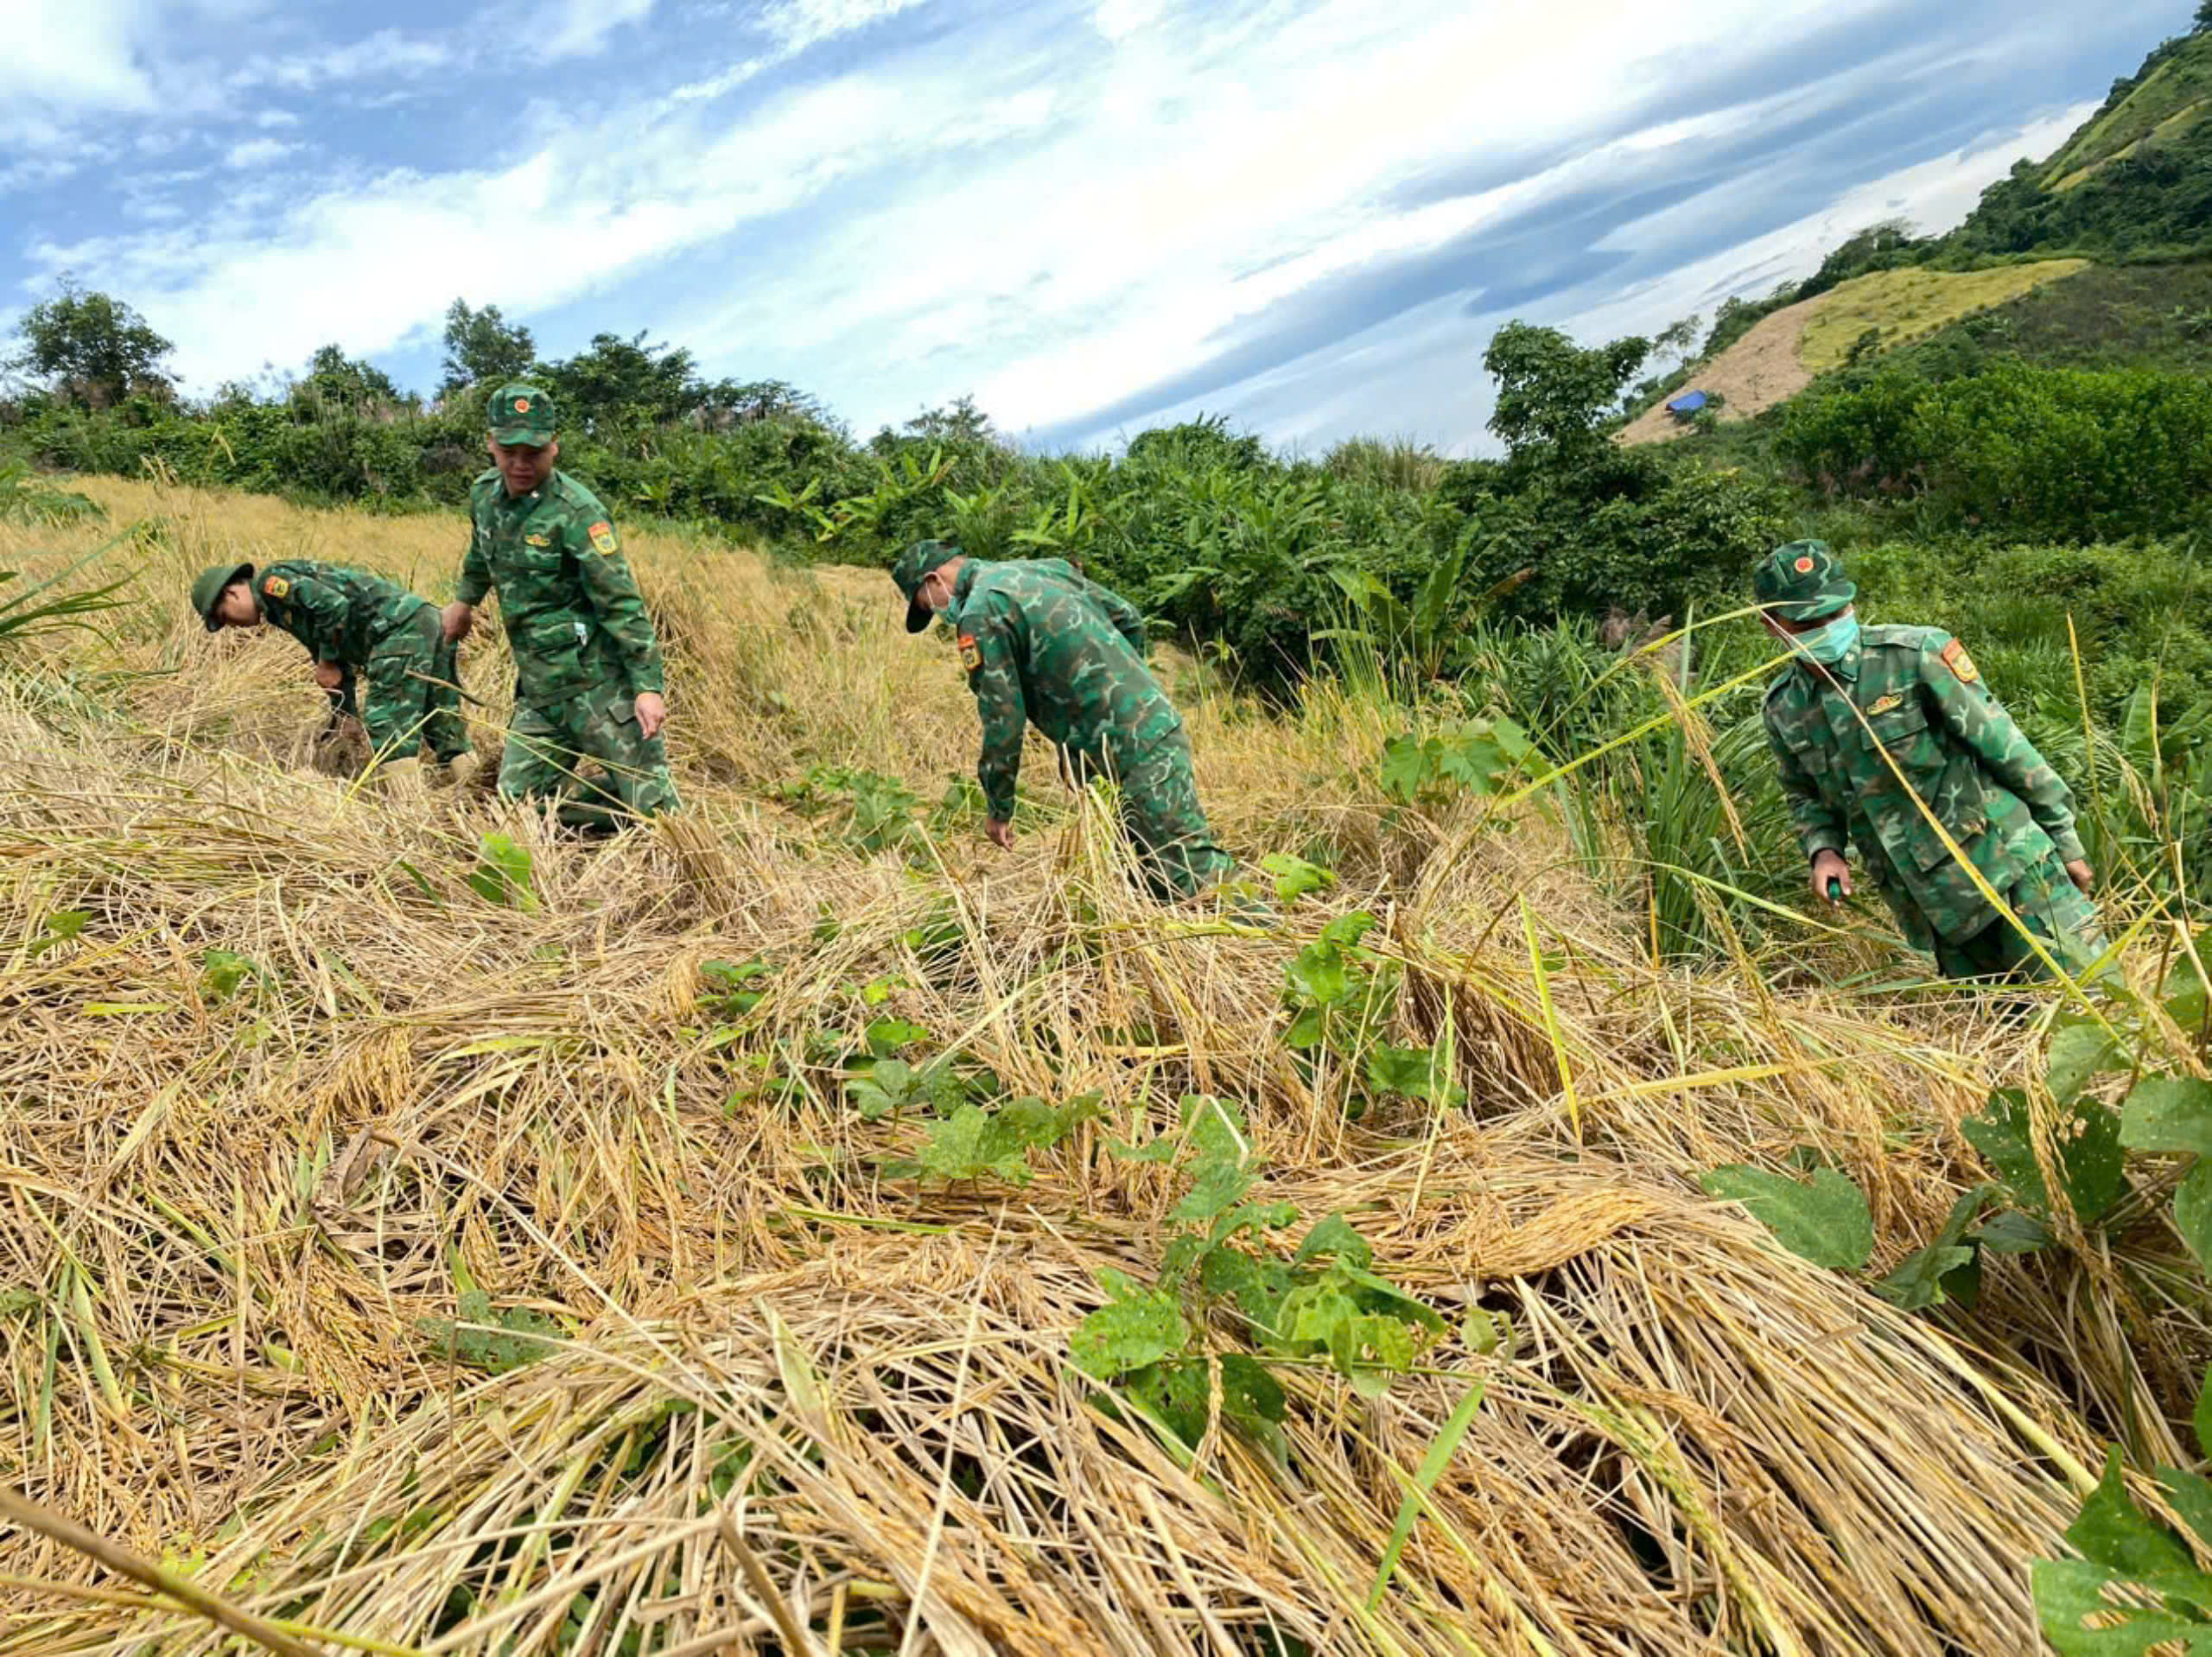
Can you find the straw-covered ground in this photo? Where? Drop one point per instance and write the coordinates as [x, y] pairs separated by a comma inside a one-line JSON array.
[[427, 1273]]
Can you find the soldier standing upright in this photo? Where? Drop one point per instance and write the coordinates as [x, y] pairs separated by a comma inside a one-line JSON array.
[[588, 667], [1042, 644], [1869, 724]]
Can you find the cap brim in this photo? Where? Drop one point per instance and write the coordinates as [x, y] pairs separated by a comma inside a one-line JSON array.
[[918, 615], [520, 437]]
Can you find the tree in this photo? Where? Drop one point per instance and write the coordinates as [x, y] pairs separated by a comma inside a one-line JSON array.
[[741, 403], [2203, 19], [346, 382], [483, 348], [1553, 394], [92, 349], [621, 382]]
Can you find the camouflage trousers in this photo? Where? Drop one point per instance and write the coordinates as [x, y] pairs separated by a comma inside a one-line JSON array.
[[1161, 815], [549, 742], [2049, 906], [413, 690]]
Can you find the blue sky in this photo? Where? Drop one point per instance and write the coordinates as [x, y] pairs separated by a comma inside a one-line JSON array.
[[1093, 215]]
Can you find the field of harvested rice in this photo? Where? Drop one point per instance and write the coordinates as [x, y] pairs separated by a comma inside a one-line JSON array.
[[422, 1251]]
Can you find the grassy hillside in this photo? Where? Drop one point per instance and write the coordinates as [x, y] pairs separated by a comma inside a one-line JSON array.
[[2160, 107], [1898, 307], [478, 1268]]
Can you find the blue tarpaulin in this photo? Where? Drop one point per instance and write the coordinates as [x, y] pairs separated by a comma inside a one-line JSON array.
[[1688, 403]]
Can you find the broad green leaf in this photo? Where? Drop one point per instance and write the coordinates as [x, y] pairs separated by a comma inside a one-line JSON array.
[[2079, 1053], [2112, 1532], [503, 875], [2079, 1620], [1136, 1328], [1346, 930], [2085, 1141], [222, 971], [1174, 1394], [1295, 877], [1254, 1217], [1930, 1276], [2193, 1211], [2012, 1232], [1318, 976], [1825, 1221], [1219, 1187], [62, 927], [1407, 1070], [2168, 1113], [1252, 1401], [1918, 1281], [1256, 1285], [1335, 1239], [2190, 1496], [1407, 764], [886, 1037]]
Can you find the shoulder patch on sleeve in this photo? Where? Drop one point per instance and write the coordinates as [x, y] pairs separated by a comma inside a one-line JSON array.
[[971, 654], [276, 586], [1957, 659], [602, 538]]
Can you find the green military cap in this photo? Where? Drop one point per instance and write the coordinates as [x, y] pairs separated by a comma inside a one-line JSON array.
[[522, 416], [1803, 581], [208, 589], [915, 562]]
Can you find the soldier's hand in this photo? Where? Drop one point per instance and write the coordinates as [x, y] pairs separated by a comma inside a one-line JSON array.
[[1001, 834], [1828, 867], [329, 675], [652, 713], [458, 618], [2082, 875]]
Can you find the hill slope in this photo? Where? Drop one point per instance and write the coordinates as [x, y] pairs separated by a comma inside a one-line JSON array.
[[1783, 352]]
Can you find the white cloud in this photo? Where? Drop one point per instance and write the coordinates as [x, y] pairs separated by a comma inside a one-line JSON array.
[[580, 28], [272, 120], [1119, 19], [595, 205], [74, 54], [797, 24], [716, 85], [256, 152], [1012, 206], [386, 53]]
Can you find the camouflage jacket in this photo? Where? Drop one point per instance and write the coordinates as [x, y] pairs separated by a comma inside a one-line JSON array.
[[570, 608], [1042, 644], [339, 613], [1913, 694]]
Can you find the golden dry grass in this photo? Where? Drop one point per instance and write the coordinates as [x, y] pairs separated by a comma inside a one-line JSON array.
[[783, 1378], [1911, 304]]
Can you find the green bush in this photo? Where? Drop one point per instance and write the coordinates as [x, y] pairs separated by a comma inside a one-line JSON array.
[[2050, 453]]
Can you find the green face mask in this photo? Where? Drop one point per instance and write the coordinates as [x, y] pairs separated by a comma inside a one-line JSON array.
[[1830, 642]]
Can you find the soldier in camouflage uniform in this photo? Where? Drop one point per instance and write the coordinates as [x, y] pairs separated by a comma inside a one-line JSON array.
[[1857, 700], [588, 667], [355, 625], [1041, 643]]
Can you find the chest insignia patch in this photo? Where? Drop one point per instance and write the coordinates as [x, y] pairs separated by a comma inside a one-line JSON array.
[[276, 586], [537, 540], [1887, 704], [1957, 659], [602, 538], [971, 656]]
